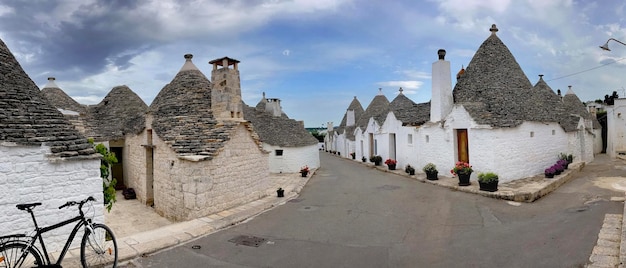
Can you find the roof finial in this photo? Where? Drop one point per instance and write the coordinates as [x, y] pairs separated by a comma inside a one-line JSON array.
[[355, 97], [51, 78], [188, 57], [493, 29], [401, 90], [541, 77], [441, 53], [264, 94], [380, 91]]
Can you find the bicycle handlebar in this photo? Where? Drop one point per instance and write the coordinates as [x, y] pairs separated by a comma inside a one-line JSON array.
[[73, 203]]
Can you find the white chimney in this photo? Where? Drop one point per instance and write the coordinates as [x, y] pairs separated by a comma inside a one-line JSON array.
[[441, 101]]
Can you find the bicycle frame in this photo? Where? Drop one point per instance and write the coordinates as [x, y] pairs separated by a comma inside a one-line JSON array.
[[66, 247], [39, 231]]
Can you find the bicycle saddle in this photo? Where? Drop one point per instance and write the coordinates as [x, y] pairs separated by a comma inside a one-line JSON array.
[[27, 206]]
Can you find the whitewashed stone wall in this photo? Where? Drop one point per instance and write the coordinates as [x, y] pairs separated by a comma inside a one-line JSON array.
[[186, 189], [135, 163], [536, 146], [616, 127], [512, 153], [27, 176], [293, 158]]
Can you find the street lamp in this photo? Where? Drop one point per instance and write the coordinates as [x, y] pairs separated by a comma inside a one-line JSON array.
[[606, 45]]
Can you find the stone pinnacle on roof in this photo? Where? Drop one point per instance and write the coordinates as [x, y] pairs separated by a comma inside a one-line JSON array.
[[188, 64], [400, 90], [51, 83], [493, 29]]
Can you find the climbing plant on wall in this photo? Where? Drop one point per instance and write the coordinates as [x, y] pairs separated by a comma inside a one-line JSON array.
[[108, 184]]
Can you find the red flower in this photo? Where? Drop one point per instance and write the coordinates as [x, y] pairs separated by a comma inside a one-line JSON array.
[[390, 162]]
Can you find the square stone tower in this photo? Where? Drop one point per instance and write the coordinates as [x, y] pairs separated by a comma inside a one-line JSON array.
[[226, 90]]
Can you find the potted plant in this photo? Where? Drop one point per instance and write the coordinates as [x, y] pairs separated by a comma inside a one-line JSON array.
[[488, 181], [377, 159], [570, 158], [549, 172], [391, 163], [558, 168], [363, 159], [353, 155], [409, 169], [304, 171], [280, 192], [563, 163], [431, 171], [464, 171]]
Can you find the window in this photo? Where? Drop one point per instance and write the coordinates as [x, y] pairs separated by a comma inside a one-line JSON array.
[[278, 152], [553, 132], [427, 138], [410, 139], [532, 134]]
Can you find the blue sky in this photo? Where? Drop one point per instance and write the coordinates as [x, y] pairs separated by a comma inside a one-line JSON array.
[[314, 55]]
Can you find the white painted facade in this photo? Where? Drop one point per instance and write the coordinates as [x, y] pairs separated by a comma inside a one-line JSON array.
[[291, 159], [535, 146], [616, 126], [28, 176]]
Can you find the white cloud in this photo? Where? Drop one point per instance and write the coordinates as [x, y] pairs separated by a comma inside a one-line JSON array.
[[415, 74], [6, 10], [402, 84]]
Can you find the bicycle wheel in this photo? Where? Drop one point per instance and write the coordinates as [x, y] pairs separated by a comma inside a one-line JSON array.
[[18, 254], [98, 248]]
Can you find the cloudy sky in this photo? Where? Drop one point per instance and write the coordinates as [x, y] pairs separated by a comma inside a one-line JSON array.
[[315, 55]]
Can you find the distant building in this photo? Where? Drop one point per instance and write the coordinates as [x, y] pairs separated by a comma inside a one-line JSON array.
[[289, 144], [494, 118]]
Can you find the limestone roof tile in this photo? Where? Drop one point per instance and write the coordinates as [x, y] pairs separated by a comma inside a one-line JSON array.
[[183, 117], [121, 111], [278, 131], [409, 112], [28, 118], [59, 99], [377, 109]]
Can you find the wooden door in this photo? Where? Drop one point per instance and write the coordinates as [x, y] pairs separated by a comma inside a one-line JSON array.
[[462, 145]]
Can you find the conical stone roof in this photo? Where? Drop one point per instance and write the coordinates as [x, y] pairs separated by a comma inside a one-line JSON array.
[[182, 115], [495, 90], [121, 111], [409, 112], [377, 109], [59, 99], [277, 130], [343, 128], [28, 118]]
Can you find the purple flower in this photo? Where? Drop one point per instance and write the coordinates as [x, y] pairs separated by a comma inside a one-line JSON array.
[[558, 167], [550, 170]]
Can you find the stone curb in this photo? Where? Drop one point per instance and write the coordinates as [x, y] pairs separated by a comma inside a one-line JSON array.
[[506, 193], [622, 246]]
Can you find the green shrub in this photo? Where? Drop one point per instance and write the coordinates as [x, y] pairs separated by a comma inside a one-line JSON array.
[[487, 177]]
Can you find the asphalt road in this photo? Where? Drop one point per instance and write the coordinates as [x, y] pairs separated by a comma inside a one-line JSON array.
[[349, 215]]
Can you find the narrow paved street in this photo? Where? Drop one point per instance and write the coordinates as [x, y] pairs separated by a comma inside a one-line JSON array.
[[350, 215]]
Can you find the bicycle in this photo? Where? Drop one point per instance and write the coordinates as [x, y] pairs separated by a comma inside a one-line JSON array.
[[98, 247]]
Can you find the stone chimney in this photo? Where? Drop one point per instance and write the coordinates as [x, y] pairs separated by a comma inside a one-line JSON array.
[[272, 106], [329, 126], [441, 101], [226, 89]]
